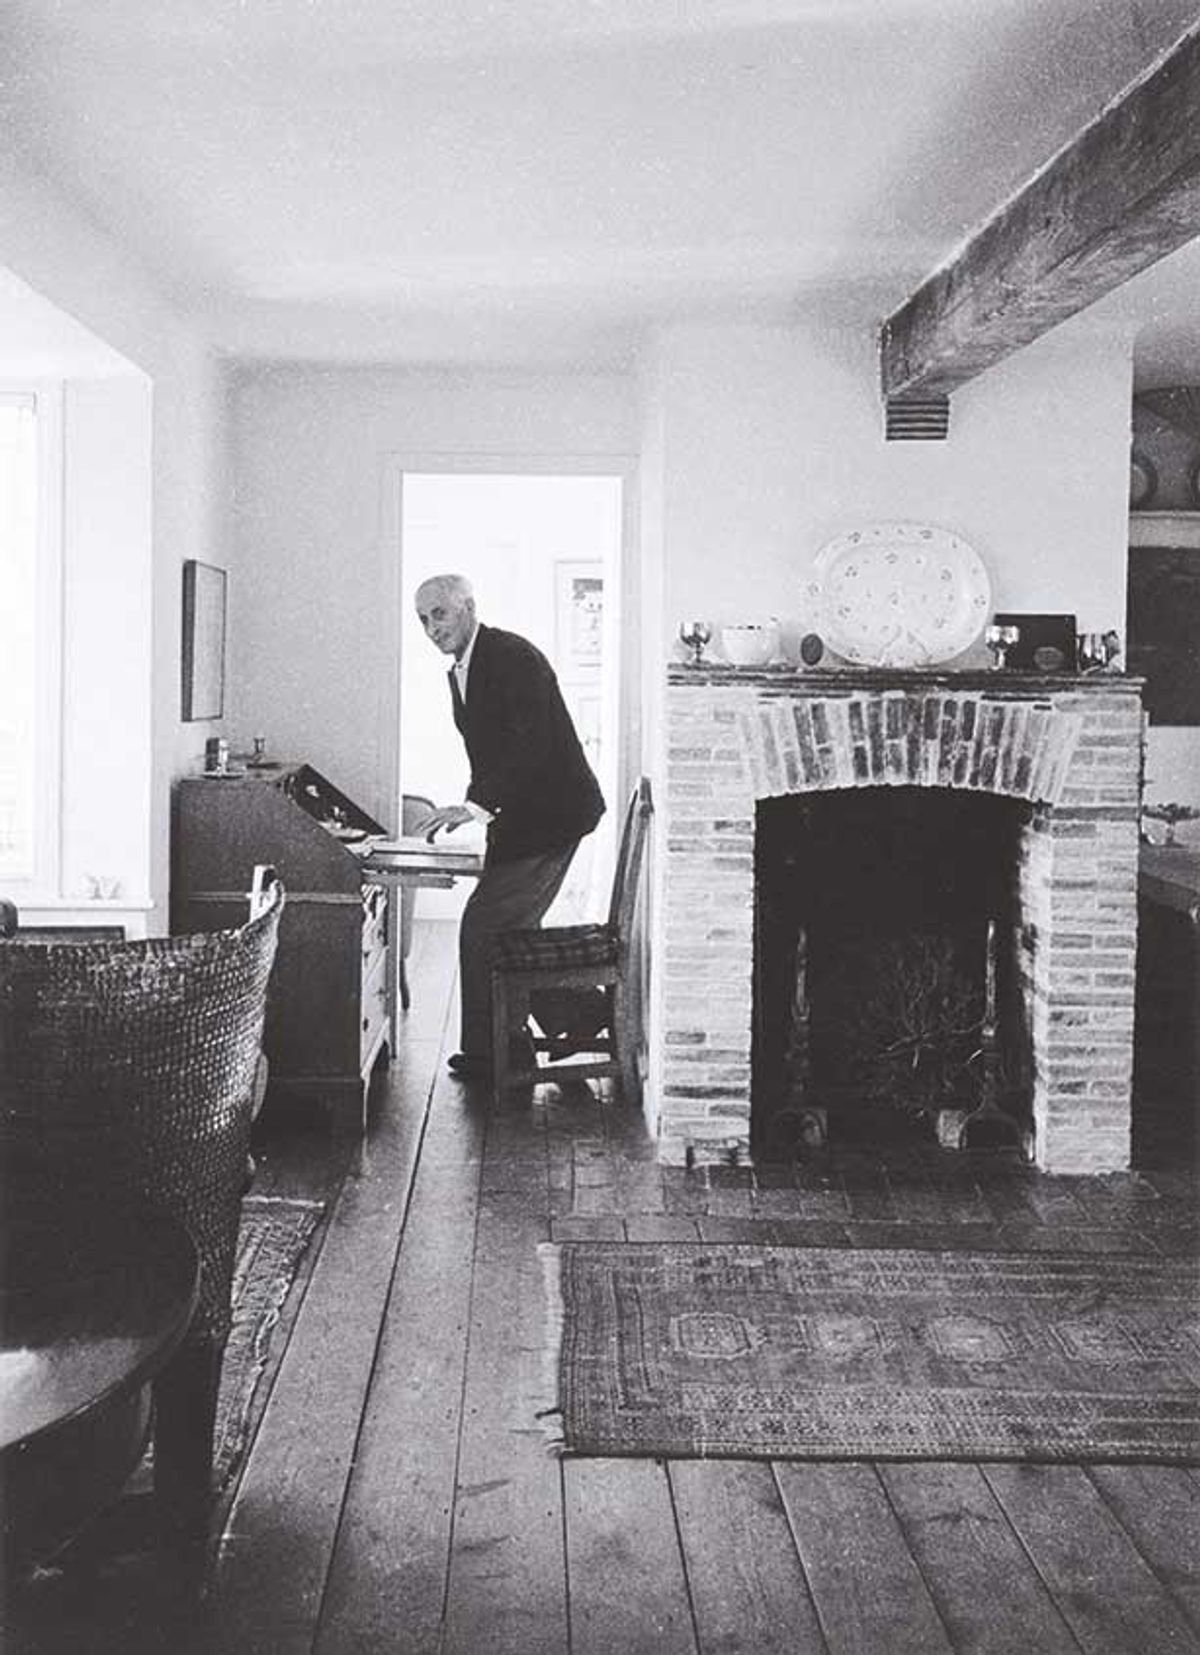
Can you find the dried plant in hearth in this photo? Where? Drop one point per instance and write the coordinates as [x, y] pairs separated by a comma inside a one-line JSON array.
[[915, 1026]]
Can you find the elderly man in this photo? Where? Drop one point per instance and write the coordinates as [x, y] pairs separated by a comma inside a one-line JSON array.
[[530, 783]]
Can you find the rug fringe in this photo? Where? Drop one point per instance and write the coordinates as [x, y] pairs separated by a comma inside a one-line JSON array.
[[550, 1417], [299, 1203]]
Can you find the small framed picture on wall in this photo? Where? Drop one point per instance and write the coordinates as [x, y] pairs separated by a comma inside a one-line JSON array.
[[578, 615], [203, 686]]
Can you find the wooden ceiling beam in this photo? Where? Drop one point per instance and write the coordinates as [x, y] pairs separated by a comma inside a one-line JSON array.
[[1115, 200]]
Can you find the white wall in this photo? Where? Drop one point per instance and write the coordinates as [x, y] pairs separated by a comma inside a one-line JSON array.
[[316, 603], [759, 445], [773, 444], [122, 679]]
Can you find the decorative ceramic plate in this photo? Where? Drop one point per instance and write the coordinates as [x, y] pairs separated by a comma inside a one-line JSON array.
[[900, 595]]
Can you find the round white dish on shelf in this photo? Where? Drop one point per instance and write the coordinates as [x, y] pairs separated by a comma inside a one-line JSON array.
[[900, 595], [750, 643]]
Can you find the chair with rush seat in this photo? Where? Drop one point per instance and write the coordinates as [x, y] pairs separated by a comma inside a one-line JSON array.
[[578, 982]]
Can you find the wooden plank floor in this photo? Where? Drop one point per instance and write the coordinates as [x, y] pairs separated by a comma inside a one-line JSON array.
[[400, 1495]]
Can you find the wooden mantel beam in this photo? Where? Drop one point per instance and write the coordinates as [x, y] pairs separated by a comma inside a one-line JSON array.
[[1115, 200]]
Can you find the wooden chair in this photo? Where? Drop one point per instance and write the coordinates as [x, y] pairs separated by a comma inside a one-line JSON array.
[[578, 958], [414, 809], [130, 1067]]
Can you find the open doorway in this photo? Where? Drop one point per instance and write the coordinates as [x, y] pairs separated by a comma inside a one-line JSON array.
[[543, 554]]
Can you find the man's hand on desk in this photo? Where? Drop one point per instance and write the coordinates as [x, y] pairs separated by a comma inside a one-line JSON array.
[[448, 817]]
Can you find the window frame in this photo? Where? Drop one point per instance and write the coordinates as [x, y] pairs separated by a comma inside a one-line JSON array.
[[41, 880]]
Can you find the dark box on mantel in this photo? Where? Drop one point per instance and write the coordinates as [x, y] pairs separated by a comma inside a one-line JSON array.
[[1046, 642]]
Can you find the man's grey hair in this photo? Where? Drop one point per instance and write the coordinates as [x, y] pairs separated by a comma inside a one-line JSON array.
[[448, 586]]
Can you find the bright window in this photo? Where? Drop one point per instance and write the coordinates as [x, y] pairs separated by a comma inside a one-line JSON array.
[[30, 627]]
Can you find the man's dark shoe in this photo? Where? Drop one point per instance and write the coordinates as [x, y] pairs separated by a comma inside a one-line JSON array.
[[467, 1067], [522, 1053]]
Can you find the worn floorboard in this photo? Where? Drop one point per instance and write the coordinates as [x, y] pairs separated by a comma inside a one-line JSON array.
[[626, 1580], [747, 1583], [990, 1600], [1157, 1508], [1105, 1589], [393, 1546], [507, 1582], [867, 1585]]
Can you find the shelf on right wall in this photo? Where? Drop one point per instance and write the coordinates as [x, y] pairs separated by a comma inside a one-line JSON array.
[[1165, 528]]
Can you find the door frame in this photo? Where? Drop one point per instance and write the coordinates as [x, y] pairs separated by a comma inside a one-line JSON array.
[[391, 568]]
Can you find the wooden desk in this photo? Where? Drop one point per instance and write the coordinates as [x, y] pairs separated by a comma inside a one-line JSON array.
[[328, 1001], [93, 1303]]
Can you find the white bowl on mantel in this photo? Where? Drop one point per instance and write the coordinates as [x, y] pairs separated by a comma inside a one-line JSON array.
[[750, 643]]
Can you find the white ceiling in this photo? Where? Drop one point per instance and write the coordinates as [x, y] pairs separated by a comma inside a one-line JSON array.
[[538, 181]]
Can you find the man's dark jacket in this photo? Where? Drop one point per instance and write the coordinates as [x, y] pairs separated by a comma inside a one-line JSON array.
[[527, 765]]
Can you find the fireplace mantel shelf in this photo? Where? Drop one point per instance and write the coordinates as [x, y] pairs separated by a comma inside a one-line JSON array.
[[825, 681]]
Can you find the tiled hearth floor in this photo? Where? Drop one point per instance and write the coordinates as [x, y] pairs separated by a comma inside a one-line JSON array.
[[400, 1496]]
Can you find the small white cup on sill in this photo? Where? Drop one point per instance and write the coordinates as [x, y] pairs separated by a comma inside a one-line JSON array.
[[102, 887]]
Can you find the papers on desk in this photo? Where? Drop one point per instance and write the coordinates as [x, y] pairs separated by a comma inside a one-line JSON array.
[[414, 852], [407, 842]]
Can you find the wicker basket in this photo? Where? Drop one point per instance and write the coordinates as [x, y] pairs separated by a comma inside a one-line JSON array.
[[128, 1068]]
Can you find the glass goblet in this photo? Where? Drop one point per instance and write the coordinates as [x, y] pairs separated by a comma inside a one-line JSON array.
[[1092, 655], [695, 634], [1000, 639]]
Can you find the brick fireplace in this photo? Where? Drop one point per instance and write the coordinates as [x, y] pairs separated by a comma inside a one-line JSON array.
[[1068, 749]]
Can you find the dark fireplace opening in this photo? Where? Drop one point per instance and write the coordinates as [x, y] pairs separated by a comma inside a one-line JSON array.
[[887, 988]]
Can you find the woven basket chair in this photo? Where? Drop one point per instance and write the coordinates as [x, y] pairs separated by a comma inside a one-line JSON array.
[[129, 1068]]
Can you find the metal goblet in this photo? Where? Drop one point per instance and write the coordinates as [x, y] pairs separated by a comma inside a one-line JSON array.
[[1091, 653], [695, 634], [1000, 639]]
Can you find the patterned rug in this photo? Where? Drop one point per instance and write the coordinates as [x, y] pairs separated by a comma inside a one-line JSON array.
[[272, 1237], [831, 1353]]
